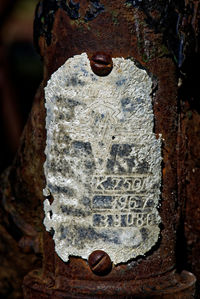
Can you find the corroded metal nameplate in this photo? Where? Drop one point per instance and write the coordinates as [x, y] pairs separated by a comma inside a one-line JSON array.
[[103, 161]]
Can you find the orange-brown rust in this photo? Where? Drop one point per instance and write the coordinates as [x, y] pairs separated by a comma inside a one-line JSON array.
[[71, 37]]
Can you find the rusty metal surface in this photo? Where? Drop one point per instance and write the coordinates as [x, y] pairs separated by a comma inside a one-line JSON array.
[[168, 286], [145, 33], [192, 212], [189, 141], [69, 37], [189, 148]]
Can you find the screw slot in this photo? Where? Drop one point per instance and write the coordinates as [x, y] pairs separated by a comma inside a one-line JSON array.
[[100, 262], [101, 64]]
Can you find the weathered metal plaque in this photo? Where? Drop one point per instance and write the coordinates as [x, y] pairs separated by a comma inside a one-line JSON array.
[[103, 161]]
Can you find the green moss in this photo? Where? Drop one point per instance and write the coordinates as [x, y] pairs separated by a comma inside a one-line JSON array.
[[127, 4], [189, 114], [145, 58], [114, 15], [80, 24], [163, 51], [131, 58]]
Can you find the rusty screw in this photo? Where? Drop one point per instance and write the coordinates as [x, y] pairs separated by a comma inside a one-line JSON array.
[[100, 262], [101, 64]]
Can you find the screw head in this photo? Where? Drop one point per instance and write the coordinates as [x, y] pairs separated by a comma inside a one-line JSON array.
[[100, 262], [101, 63]]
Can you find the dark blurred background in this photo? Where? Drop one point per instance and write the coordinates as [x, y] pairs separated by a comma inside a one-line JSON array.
[[20, 73]]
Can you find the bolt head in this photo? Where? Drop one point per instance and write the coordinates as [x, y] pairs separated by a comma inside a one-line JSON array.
[[100, 262], [101, 64]]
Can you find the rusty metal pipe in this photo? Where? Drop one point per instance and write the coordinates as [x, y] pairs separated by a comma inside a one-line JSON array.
[[131, 30]]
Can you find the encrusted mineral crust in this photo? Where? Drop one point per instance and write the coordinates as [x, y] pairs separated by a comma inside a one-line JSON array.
[[103, 161]]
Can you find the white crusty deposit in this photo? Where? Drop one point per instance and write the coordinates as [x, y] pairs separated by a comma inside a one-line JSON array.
[[103, 161]]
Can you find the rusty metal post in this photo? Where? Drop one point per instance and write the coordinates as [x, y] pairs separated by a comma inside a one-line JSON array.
[[140, 31]]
